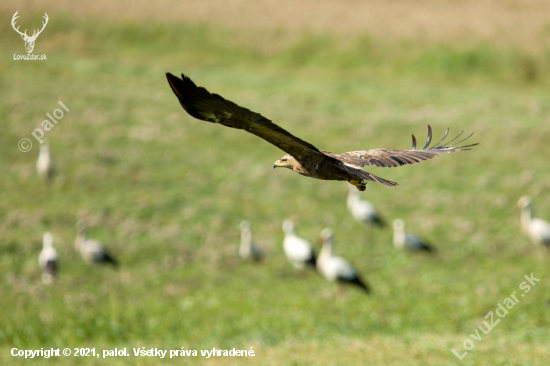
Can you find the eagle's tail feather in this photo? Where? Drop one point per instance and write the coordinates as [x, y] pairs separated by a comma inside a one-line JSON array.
[[373, 178]]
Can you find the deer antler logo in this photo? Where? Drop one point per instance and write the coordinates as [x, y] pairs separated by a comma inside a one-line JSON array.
[[29, 41]]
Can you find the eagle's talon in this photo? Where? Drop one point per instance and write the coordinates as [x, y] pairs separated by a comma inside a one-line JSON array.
[[359, 184]]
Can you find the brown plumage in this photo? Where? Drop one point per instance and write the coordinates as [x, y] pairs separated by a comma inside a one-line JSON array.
[[303, 157]]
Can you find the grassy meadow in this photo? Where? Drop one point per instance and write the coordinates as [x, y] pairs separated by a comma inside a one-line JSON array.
[[166, 193]]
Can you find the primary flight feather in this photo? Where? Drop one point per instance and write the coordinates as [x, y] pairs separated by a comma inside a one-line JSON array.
[[302, 157]]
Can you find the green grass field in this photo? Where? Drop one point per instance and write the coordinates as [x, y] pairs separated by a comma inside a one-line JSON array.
[[166, 193]]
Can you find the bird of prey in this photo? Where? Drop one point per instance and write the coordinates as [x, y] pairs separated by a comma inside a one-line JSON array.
[[537, 229], [334, 268], [302, 157], [363, 211], [48, 259], [248, 249], [408, 241], [91, 250], [297, 250]]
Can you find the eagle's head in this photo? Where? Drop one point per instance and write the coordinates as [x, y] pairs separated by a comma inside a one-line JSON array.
[[286, 161]]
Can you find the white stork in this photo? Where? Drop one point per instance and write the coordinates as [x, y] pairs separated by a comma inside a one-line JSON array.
[[337, 269], [45, 165], [408, 241], [297, 250], [91, 250], [248, 250], [363, 211], [48, 259], [537, 229]]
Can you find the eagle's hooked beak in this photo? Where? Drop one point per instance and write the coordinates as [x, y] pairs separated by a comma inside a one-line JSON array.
[[276, 164]]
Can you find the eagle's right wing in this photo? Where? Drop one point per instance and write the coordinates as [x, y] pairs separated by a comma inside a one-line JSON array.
[[202, 104]]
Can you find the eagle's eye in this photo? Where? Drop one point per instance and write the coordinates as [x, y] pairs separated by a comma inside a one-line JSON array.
[[284, 159]]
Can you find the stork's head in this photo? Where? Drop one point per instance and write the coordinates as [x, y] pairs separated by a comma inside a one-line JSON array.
[[525, 202], [81, 227], [398, 225], [288, 226], [327, 236], [245, 225]]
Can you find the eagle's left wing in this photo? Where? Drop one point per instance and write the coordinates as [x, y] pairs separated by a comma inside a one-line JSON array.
[[394, 158]]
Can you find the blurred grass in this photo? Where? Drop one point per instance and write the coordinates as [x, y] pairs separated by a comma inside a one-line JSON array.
[[166, 193], [201, 43]]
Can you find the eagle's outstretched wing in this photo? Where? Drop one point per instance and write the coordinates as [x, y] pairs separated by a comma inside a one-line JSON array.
[[393, 158], [202, 104]]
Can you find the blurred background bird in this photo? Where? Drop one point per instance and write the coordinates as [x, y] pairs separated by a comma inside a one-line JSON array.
[[45, 165], [248, 250], [363, 211], [409, 241], [297, 250], [337, 269], [91, 250], [48, 259], [537, 229]]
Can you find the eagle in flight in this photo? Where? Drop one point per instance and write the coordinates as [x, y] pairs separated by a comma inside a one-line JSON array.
[[303, 157]]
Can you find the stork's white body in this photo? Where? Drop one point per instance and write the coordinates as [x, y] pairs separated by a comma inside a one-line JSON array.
[[48, 259], [537, 229], [297, 250], [335, 268], [91, 250], [362, 211], [45, 166], [408, 241]]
